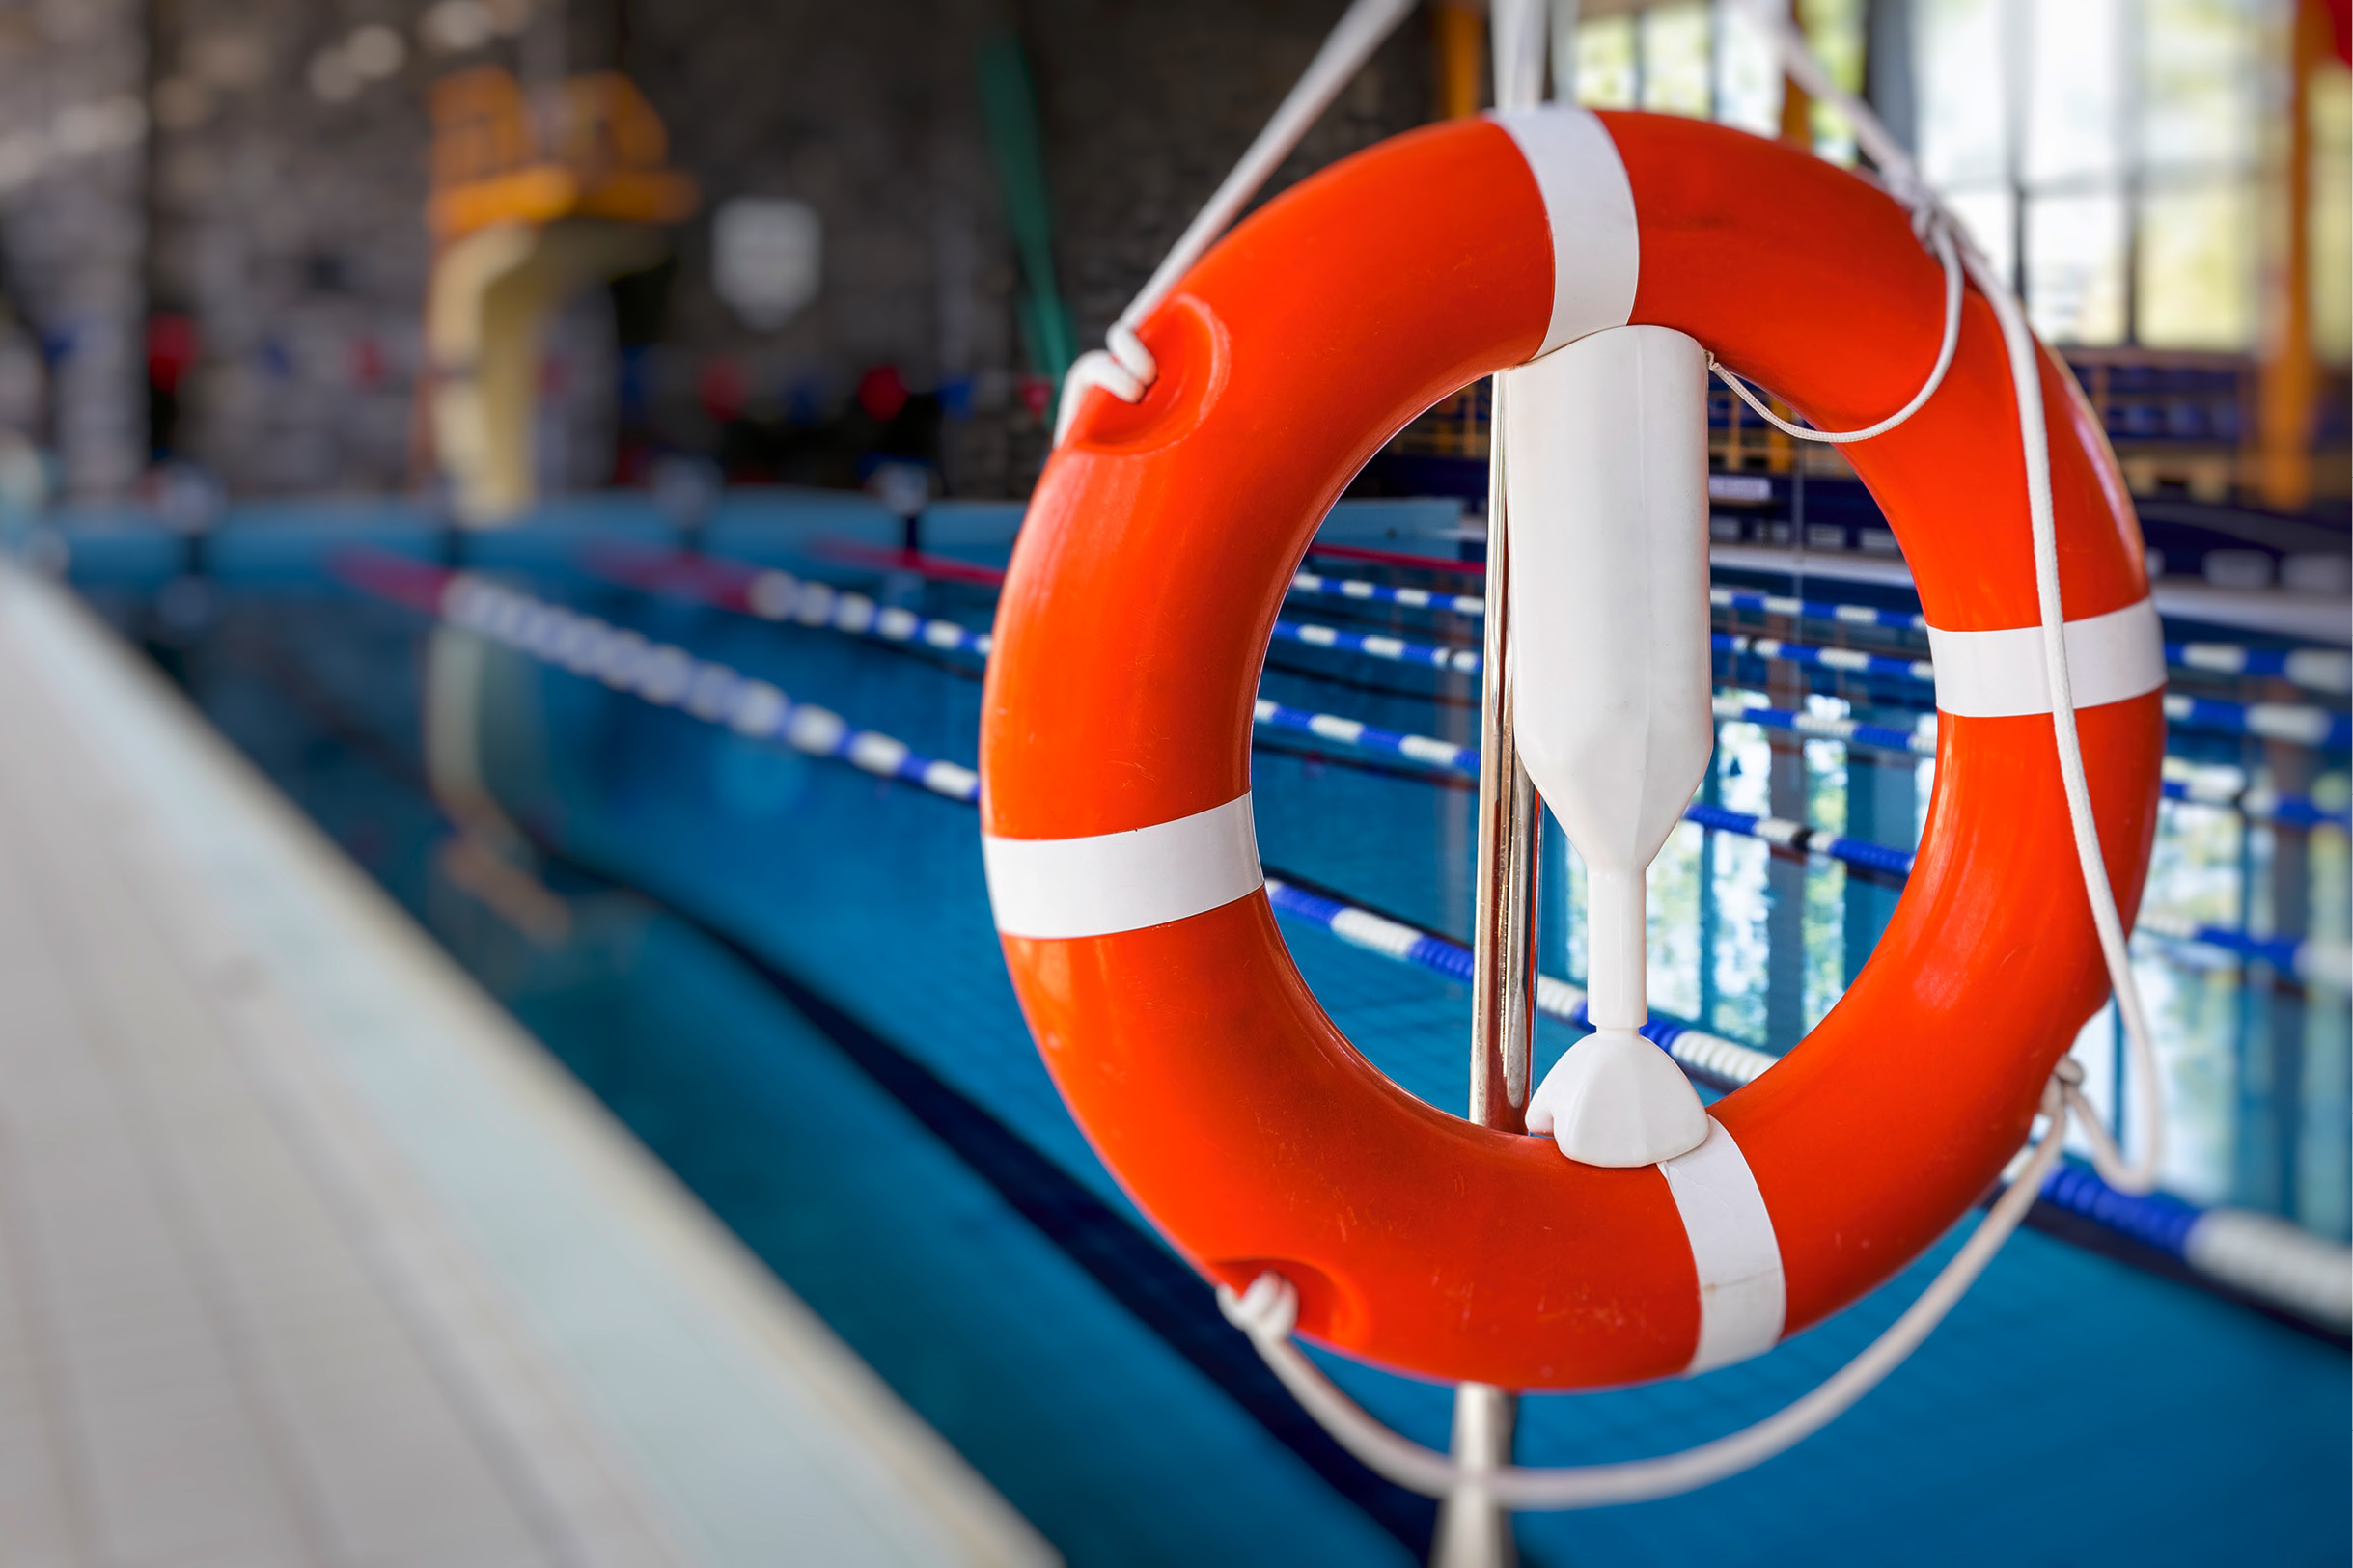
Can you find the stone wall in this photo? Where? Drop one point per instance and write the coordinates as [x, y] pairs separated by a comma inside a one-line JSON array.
[[276, 204], [73, 226], [288, 226]]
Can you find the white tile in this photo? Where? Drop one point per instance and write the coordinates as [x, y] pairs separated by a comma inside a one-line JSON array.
[[317, 1259]]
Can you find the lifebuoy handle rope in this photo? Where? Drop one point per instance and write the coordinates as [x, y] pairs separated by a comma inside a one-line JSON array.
[[1903, 179], [1266, 1312]]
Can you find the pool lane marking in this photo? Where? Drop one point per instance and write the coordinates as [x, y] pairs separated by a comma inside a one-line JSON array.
[[2250, 1253], [771, 594], [2314, 669], [668, 676]]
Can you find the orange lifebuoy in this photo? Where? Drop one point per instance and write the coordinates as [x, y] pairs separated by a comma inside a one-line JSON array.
[[1115, 756]]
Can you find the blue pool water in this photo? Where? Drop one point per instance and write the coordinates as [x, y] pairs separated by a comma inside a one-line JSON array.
[[781, 973]]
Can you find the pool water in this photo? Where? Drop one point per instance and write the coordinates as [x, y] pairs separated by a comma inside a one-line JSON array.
[[781, 973]]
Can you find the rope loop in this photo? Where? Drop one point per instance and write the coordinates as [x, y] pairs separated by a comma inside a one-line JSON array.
[[1125, 369], [1936, 230]]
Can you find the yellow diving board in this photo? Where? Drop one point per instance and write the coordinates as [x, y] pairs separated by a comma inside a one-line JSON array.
[[530, 201]]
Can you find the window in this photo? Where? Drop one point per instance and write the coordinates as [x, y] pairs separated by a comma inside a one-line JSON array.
[[2332, 215], [1608, 77], [2113, 150], [1705, 59], [2110, 149], [1675, 73]]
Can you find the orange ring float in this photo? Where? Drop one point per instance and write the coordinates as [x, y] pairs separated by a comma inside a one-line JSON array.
[[1115, 756]]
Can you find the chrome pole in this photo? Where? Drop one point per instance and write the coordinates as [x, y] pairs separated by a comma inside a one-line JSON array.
[[1473, 1531], [1503, 968]]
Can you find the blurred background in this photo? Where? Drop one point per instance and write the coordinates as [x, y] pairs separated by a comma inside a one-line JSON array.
[[883, 233], [504, 1052]]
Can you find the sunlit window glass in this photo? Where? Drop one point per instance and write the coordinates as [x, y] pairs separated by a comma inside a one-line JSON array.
[[2199, 73], [1675, 59], [1834, 29], [1956, 72], [1987, 217], [1605, 62], [2075, 268], [2332, 216], [2196, 259], [1748, 73], [2074, 64]]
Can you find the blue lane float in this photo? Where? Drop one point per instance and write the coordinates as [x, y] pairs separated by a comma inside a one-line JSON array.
[[2195, 784], [669, 676], [2311, 961], [1413, 598], [775, 595], [2314, 669], [2254, 1255], [1380, 646], [2296, 723]]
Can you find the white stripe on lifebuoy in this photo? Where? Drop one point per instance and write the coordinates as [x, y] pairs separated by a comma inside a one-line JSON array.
[[2000, 675], [1596, 244], [1743, 1294], [1117, 882]]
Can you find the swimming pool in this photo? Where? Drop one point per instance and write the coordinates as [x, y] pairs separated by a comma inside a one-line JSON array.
[[781, 973]]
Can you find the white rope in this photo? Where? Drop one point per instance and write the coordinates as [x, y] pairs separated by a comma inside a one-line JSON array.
[[1903, 181], [1939, 235], [1935, 224], [1269, 1309], [2026, 377], [1126, 368]]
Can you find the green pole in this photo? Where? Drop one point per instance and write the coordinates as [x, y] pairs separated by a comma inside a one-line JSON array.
[[1008, 111]]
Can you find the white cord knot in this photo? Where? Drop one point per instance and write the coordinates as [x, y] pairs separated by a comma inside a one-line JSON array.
[[2059, 1098], [1133, 357], [1125, 369], [1267, 1311]]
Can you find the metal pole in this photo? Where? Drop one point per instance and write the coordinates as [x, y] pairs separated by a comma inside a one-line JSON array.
[[1474, 1531], [1503, 972]]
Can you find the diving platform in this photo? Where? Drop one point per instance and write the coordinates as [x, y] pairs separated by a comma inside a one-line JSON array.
[[310, 1254]]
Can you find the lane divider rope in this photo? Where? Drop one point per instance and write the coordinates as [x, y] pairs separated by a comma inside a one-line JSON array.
[[2315, 669], [660, 674], [770, 594], [668, 676], [774, 594], [2254, 1253], [2197, 783], [2298, 724], [2310, 960], [2263, 1258]]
